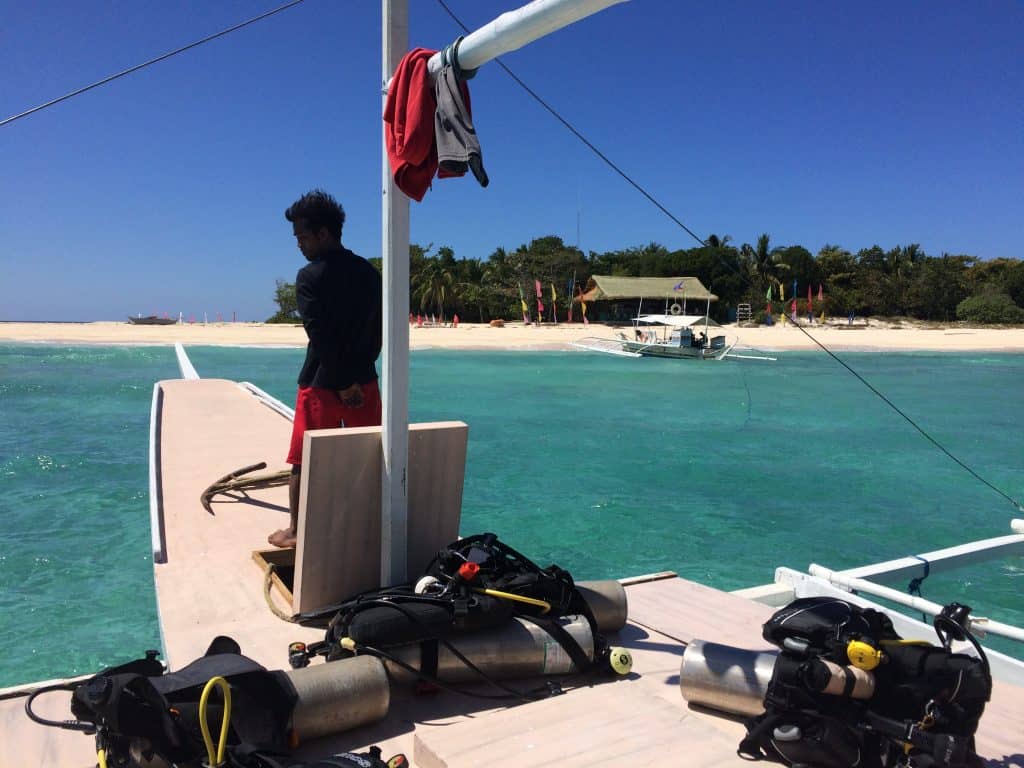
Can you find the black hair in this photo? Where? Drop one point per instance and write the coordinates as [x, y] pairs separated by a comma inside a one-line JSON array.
[[318, 209]]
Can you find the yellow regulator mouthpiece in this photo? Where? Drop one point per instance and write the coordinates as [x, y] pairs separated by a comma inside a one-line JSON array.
[[620, 659], [863, 655]]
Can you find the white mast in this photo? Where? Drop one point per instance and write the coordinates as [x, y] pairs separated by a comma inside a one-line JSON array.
[[395, 365], [508, 32]]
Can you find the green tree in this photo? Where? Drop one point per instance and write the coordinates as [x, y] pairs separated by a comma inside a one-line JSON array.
[[989, 308], [287, 305], [432, 287], [760, 268], [998, 275], [871, 282], [899, 268], [838, 270], [937, 287]]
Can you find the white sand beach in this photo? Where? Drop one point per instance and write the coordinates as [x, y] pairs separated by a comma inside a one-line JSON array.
[[874, 335]]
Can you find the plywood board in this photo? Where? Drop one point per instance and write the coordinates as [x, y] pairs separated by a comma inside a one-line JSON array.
[[338, 551]]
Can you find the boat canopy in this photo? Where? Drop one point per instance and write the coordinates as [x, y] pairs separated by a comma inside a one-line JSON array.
[[678, 321], [672, 288]]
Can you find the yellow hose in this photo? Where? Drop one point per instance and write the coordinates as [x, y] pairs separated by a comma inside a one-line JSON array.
[[101, 757], [207, 739], [518, 598]]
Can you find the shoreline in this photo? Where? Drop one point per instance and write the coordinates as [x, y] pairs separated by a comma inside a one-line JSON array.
[[873, 336]]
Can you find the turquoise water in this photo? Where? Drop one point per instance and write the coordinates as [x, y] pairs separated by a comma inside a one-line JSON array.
[[607, 466]]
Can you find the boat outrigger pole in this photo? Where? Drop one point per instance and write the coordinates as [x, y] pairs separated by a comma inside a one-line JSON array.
[[508, 32]]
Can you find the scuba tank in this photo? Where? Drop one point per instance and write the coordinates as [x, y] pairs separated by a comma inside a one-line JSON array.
[[480, 600], [519, 648], [339, 696], [728, 679]]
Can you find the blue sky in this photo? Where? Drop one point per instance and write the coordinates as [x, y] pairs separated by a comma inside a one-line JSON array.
[[849, 123]]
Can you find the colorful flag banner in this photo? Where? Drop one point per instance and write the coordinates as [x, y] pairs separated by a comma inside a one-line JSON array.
[[583, 309], [572, 285], [522, 300], [554, 303], [540, 304]]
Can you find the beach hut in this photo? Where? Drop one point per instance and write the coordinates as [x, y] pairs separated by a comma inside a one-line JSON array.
[[674, 292]]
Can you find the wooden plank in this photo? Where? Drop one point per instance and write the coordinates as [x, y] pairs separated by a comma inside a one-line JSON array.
[[613, 724], [29, 745], [339, 539]]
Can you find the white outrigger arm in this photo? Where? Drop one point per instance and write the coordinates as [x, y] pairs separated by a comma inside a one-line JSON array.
[[508, 32]]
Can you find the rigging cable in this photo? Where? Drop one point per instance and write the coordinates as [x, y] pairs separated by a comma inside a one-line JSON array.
[[137, 67], [578, 135], [664, 210]]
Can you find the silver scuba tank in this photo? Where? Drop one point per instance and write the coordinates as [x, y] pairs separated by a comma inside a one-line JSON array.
[[520, 648], [607, 601], [725, 678], [338, 696]]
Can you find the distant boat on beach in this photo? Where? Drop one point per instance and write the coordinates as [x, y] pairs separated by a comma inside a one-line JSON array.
[[152, 320]]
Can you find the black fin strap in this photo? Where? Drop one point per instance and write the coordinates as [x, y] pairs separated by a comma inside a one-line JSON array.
[[428, 659], [750, 746]]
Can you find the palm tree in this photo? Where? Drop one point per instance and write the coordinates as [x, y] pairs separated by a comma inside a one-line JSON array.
[[761, 263], [899, 264], [434, 285]]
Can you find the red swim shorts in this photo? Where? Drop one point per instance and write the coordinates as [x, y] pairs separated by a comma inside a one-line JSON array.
[[318, 408]]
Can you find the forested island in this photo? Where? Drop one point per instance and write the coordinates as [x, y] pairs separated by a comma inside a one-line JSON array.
[[902, 282]]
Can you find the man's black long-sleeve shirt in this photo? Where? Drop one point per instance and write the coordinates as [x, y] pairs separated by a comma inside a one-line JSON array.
[[339, 297]]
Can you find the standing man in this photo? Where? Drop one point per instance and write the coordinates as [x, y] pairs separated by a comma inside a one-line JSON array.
[[339, 301]]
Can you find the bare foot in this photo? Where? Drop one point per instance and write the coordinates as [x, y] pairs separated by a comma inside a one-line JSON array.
[[283, 538]]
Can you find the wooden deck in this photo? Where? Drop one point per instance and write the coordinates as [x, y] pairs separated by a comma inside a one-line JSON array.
[[210, 585]]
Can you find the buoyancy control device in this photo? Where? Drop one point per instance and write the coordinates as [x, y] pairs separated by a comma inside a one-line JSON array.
[[141, 715], [476, 593], [847, 690]]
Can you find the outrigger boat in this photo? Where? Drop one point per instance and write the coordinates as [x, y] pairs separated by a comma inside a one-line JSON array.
[[215, 577], [672, 333], [671, 336], [151, 320], [404, 482]]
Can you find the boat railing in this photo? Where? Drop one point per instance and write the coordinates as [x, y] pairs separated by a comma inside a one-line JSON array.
[[268, 400], [606, 345], [188, 371], [157, 531], [860, 584], [979, 625]]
